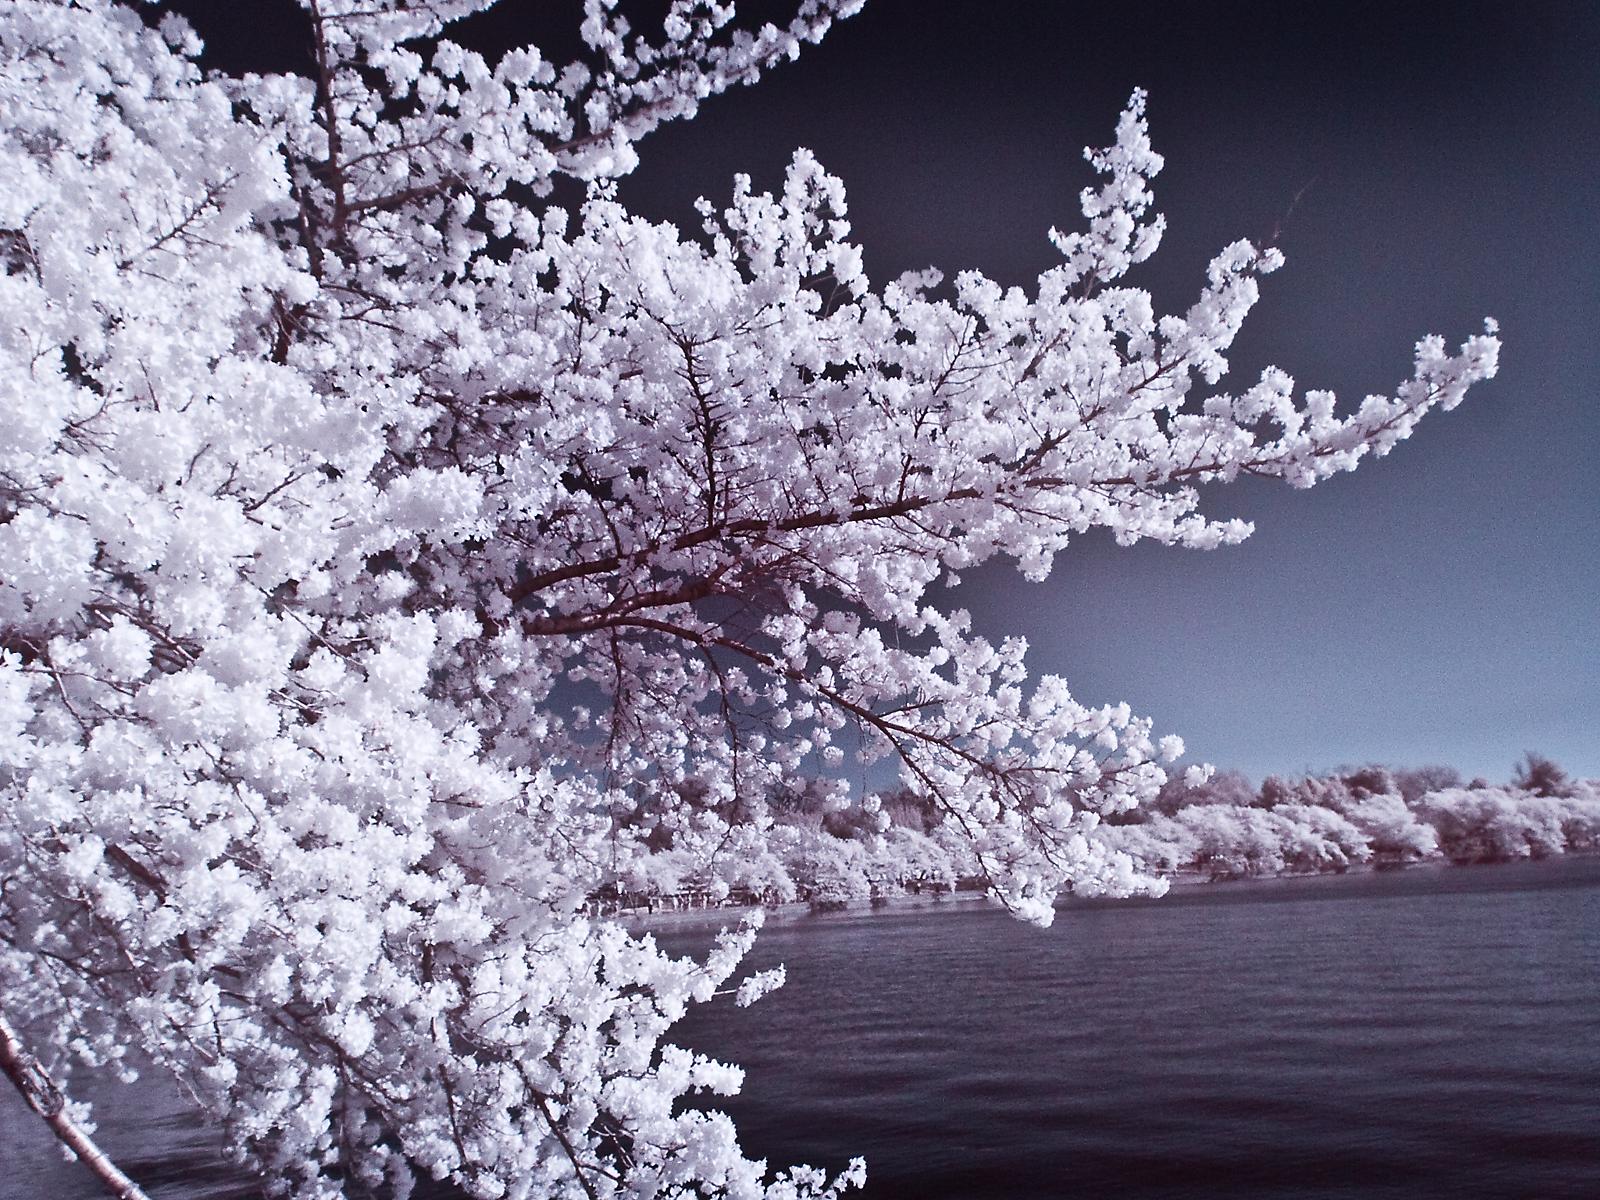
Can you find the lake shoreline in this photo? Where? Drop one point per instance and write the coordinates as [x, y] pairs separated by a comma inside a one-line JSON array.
[[1190, 883]]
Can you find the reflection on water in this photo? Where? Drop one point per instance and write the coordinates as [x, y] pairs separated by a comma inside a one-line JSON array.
[[1425, 1034]]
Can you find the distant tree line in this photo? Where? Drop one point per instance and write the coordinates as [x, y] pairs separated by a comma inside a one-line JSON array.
[[811, 842], [1224, 828]]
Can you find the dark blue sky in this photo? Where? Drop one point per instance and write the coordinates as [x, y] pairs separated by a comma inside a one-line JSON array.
[[1439, 605]]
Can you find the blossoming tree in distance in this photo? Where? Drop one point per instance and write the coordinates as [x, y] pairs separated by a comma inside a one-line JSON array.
[[374, 531]]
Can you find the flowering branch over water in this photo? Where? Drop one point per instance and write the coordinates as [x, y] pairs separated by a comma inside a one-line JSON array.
[[376, 531]]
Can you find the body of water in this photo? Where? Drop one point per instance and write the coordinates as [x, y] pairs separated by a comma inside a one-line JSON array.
[[1428, 1033]]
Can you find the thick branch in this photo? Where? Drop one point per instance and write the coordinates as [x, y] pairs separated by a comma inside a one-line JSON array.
[[46, 1098]]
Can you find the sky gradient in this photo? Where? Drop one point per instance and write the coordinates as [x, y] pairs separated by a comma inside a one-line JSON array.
[[1439, 605]]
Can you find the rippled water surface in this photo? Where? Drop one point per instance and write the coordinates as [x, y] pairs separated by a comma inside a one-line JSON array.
[[1425, 1034]]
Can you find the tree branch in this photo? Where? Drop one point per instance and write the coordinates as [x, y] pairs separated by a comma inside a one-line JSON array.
[[43, 1095]]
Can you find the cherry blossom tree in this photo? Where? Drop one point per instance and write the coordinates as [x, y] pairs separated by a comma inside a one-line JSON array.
[[374, 529]]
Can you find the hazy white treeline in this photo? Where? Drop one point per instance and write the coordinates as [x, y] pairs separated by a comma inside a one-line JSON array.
[[1225, 829], [811, 844], [807, 843]]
